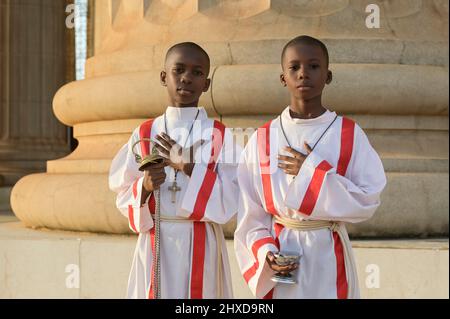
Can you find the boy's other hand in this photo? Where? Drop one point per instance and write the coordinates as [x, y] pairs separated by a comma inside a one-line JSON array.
[[284, 270], [291, 165], [154, 176]]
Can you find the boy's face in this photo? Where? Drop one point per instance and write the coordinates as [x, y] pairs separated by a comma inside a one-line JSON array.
[[185, 76], [305, 71]]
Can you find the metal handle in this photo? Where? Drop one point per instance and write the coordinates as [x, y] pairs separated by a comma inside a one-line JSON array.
[[136, 155]]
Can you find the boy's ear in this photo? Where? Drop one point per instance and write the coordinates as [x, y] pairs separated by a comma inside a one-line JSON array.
[[282, 79], [207, 85], [329, 77], [162, 78]]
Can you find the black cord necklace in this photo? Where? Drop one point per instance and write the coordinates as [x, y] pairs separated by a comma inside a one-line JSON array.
[[285, 136]]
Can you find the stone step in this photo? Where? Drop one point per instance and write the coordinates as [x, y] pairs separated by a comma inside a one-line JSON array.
[[7, 217], [57, 264]]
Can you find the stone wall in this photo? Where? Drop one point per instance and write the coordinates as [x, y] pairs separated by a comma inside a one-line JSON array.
[[36, 59], [393, 81]]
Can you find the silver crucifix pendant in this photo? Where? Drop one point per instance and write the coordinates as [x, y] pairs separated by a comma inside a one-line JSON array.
[[174, 189]]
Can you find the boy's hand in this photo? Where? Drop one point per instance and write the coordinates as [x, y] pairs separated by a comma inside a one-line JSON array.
[[154, 176], [292, 165], [177, 157], [284, 270]]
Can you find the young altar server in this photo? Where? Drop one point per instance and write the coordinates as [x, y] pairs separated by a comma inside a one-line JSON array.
[[302, 176], [197, 195]]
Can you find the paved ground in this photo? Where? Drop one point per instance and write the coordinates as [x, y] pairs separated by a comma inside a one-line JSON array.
[[7, 217]]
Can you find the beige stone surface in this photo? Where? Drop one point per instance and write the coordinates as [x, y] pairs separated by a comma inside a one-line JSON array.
[[370, 89], [416, 164], [92, 210], [33, 66], [35, 268], [419, 208], [40, 264], [130, 24], [267, 51], [33, 265], [425, 216], [403, 272], [105, 265], [392, 80]]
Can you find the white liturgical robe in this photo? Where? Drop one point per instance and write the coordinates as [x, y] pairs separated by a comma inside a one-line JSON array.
[[339, 182], [189, 245]]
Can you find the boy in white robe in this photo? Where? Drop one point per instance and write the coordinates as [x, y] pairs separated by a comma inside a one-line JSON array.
[[302, 176], [196, 195]]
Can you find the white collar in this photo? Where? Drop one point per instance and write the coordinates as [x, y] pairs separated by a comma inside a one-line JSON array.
[[324, 118], [185, 113]]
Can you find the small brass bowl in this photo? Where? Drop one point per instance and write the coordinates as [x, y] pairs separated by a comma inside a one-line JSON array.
[[284, 259]]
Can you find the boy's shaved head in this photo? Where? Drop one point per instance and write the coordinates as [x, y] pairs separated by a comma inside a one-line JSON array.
[[185, 74], [188, 46], [304, 39]]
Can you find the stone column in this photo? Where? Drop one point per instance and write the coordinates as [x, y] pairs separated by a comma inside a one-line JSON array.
[[34, 64], [393, 81]]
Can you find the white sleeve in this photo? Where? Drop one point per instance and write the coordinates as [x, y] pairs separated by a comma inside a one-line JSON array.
[[212, 195], [125, 179], [253, 237], [321, 193]]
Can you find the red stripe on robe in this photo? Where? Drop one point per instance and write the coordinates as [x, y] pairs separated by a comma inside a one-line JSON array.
[[131, 210], [263, 142], [198, 260], [341, 277], [312, 192], [217, 143], [210, 176], [131, 218], [145, 132], [249, 273], [347, 140], [199, 241]]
